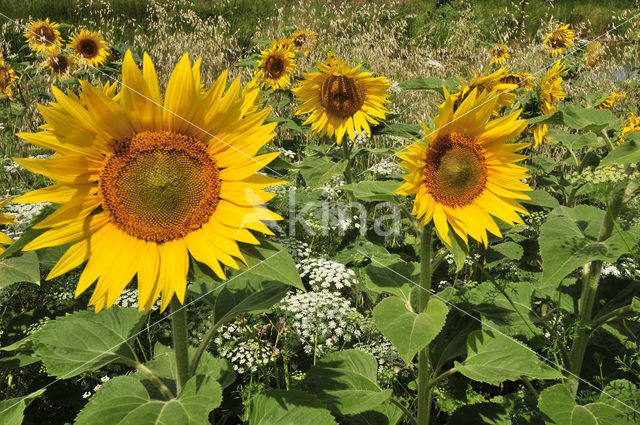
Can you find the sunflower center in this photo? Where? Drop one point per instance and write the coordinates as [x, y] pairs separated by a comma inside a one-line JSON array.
[[341, 95], [557, 40], [45, 33], [159, 186], [4, 78], [275, 66], [299, 40], [59, 64], [455, 172], [88, 48]]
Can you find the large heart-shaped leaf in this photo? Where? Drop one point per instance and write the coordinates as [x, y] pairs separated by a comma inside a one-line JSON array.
[[22, 268], [12, 409], [556, 402], [628, 152], [288, 408]]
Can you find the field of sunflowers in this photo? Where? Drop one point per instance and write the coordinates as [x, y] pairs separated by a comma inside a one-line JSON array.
[[362, 212]]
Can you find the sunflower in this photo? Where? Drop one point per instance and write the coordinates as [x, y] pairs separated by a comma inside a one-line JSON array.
[[608, 102], [559, 39], [5, 219], [549, 92], [341, 99], [488, 82], [593, 53], [43, 36], [464, 172], [143, 186], [89, 47], [59, 64], [303, 41], [276, 65], [521, 79], [631, 125], [7, 79], [499, 54]]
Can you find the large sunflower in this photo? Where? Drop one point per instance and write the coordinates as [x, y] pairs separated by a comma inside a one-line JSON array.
[[496, 81], [89, 47], [59, 64], [303, 41], [7, 79], [558, 40], [142, 186], [499, 54], [43, 36], [341, 99], [464, 171], [5, 219], [549, 93], [276, 65]]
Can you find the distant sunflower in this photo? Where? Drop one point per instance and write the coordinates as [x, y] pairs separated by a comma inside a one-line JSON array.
[[608, 102], [59, 64], [488, 82], [499, 54], [521, 79], [631, 125], [143, 186], [549, 92], [303, 41], [276, 65], [593, 53], [7, 79], [5, 219], [89, 47], [43, 36], [558, 40], [341, 99], [463, 172]]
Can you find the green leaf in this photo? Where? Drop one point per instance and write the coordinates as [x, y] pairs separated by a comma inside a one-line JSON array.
[[12, 409], [493, 358], [84, 340], [124, 400], [556, 402], [286, 123], [568, 240], [429, 83], [369, 190], [576, 141], [23, 268], [458, 249], [392, 276], [409, 332], [628, 152], [385, 414], [580, 118], [317, 171], [479, 414], [346, 382], [398, 129], [541, 198], [497, 253], [555, 118], [288, 408]]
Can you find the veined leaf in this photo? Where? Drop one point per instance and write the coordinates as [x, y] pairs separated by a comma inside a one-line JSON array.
[[288, 408]]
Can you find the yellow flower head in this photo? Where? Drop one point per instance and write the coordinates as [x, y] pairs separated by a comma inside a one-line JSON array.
[[486, 81], [59, 64], [549, 93], [341, 99], [303, 41], [499, 54], [558, 40], [276, 65], [631, 125], [43, 36], [5, 219], [609, 101], [521, 79], [89, 48], [7, 79], [145, 186], [464, 171], [593, 53]]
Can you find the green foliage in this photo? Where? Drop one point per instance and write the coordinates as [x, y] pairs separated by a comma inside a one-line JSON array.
[[288, 408], [556, 402], [22, 268]]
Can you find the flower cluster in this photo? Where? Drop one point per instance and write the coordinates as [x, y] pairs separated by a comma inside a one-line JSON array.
[[24, 215], [245, 354], [609, 174], [331, 189], [298, 250], [129, 298], [386, 167], [327, 275]]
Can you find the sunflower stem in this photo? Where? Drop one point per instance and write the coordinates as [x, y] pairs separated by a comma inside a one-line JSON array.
[[590, 278], [425, 390], [348, 177], [180, 343]]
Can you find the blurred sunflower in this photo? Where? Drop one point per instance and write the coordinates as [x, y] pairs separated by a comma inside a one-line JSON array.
[[341, 99], [499, 54], [142, 186], [89, 47], [7, 79], [558, 40], [549, 92], [608, 102], [631, 125], [464, 171], [59, 64], [5, 219], [488, 82], [43, 36], [593, 53], [522, 79], [276, 65], [303, 41]]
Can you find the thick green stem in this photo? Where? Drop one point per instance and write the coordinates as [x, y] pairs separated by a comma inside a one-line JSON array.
[[166, 392], [346, 149], [607, 140], [590, 278], [614, 314], [406, 411], [444, 375], [424, 368], [180, 343]]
